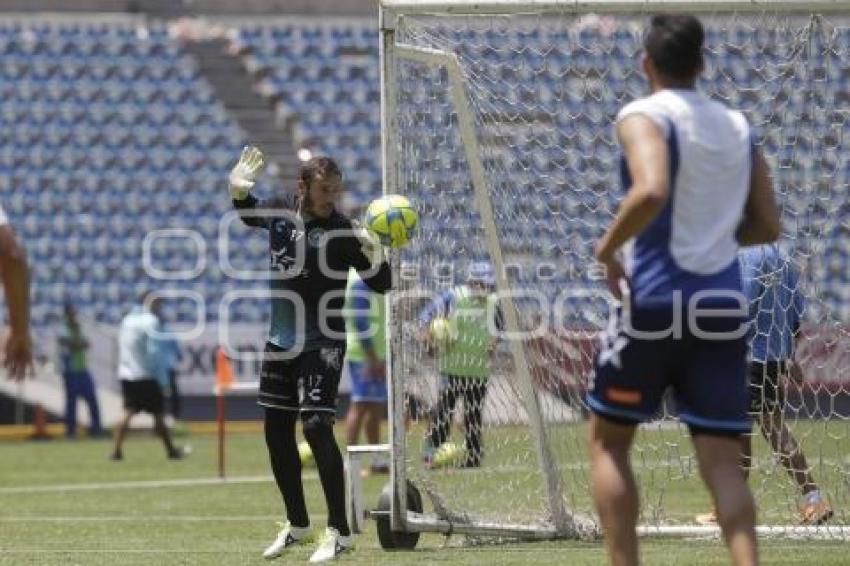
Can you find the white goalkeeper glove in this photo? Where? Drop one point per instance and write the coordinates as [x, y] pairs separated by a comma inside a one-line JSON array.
[[245, 173], [369, 244]]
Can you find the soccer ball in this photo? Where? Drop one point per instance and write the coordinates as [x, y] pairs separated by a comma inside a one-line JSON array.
[[392, 219], [306, 454], [448, 455], [442, 330]]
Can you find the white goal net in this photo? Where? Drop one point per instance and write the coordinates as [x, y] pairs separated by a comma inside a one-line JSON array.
[[498, 126]]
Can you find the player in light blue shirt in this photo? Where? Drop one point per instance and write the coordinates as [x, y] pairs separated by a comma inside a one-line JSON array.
[[140, 368], [772, 285], [169, 351]]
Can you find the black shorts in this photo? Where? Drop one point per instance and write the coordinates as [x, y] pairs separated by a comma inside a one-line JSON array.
[[307, 382], [142, 395], [766, 391]]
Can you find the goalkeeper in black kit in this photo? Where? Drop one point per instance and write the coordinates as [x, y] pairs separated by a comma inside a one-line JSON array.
[[311, 249]]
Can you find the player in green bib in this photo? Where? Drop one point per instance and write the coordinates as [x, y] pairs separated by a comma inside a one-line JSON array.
[[459, 325], [76, 376]]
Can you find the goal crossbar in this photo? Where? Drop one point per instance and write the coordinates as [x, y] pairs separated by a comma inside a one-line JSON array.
[[392, 8]]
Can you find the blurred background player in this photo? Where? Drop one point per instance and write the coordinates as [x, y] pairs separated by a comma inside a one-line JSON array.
[[169, 352], [365, 357], [679, 142], [463, 358], [139, 369], [14, 273], [772, 285], [306, 343], [76, 377]]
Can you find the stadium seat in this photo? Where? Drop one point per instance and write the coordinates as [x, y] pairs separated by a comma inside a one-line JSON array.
[[116, 133]]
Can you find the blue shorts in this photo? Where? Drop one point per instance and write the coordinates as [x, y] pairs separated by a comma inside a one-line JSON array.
[[364, 389], [707, 375]]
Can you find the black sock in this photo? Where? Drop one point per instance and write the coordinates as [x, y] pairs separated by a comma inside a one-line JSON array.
[[286, 464], [318, 430]]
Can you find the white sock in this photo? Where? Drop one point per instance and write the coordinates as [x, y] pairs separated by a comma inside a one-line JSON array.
[[344, 541], [813, 496]]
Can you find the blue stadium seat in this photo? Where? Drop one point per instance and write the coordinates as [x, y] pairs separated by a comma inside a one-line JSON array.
[[115, 133]]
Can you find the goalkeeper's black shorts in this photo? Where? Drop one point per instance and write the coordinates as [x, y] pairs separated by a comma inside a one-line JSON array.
[[306, 382]]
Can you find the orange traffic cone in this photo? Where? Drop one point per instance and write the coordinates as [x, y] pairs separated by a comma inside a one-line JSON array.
[[39, 423]]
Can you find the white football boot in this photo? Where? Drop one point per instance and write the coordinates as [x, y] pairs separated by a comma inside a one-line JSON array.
[[288, 536], [331, 546]]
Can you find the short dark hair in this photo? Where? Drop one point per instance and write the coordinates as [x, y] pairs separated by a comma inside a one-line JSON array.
[[318, 167], [674, 43]]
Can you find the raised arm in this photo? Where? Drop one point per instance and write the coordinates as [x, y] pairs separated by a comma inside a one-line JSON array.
[[241, 180], [247, 207]]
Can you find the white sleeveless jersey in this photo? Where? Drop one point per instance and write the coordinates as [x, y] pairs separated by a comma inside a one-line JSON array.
[[691, 245], [137, 349]]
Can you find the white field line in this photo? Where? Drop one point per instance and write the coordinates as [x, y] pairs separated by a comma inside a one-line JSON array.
[[637, 464], [138, 518], [169, 551], [150, 518], [155, 484]]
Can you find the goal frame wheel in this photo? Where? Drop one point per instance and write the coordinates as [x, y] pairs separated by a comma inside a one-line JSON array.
[[390, 539]]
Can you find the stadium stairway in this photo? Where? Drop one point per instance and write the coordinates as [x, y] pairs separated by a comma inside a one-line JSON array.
[[254, 114]]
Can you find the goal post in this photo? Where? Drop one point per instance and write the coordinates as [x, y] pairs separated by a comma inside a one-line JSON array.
[[497, 122], [562, 522]]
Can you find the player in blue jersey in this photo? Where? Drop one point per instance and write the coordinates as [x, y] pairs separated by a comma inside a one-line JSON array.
[[772, 285], [312, 247], [696, 189]]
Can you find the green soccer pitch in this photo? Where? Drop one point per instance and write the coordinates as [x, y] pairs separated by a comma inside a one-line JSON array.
[[63, 502]]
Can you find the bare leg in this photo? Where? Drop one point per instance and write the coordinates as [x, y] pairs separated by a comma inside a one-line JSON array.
[[615, 492], [784, 445], [719, 464], [746, 454], [372, 426], [161, 431], [120, 433], [353, 422]]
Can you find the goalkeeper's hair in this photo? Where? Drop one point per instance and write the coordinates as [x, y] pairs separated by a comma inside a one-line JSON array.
[[674, 43], [318, 168]]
